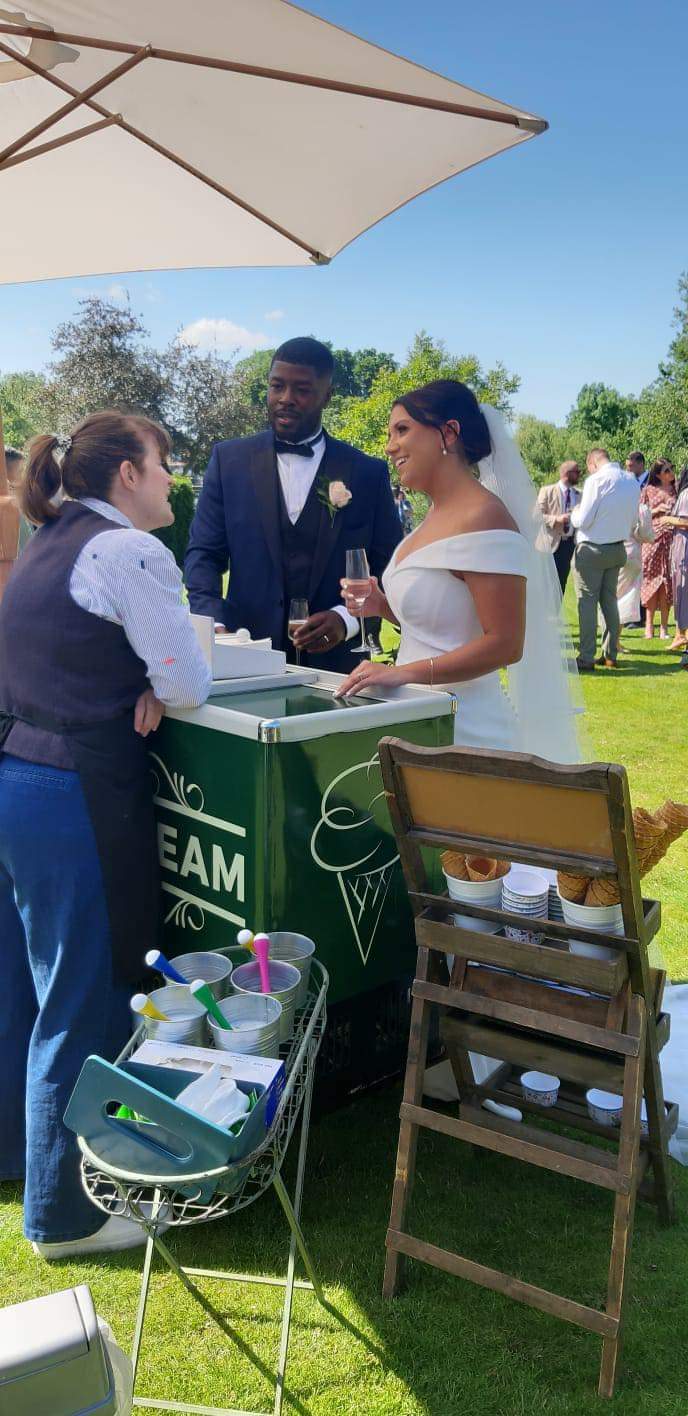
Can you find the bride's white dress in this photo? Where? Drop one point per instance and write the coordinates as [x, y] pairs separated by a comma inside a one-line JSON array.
[[436, 614]]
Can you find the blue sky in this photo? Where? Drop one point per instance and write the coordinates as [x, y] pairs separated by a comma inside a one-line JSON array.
[[560, 258]]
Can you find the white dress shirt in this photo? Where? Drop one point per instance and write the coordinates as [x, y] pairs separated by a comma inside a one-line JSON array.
[[608, 507], [297, 475], [131, 579]]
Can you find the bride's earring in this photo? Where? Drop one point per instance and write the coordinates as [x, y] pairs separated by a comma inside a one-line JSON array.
[[444, 452]]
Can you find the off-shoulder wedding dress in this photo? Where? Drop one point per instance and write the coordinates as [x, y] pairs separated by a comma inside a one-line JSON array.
[[436, 614]]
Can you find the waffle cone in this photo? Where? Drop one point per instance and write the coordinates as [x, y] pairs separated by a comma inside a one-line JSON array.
[[647, 860], [648, 831], [485, 868], [573, 887], [454, 864], [603, 891], [674, 816]]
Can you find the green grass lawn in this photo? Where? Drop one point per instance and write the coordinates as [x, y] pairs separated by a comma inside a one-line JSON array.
[[444, 1346]]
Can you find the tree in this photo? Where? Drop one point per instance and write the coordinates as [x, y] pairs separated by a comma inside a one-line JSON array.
[[182, 501], [661, 426], [252, 374], [677, 363], [22, 401], [544, 446], [203, 401], [355, 370], [603, 416], [102, 363], [363, 421]]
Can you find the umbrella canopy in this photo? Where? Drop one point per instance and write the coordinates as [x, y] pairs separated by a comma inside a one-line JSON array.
[[200, 133]]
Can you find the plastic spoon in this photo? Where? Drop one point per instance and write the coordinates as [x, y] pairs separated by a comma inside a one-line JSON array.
[[156, 960], [203, 993], [261, 948], [140, 1003]]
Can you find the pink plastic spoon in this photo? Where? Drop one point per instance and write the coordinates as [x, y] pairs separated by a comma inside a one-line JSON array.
[[261, 946]]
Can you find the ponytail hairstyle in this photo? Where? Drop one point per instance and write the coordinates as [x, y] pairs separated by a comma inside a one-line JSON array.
[[91, 456], [447, 400]]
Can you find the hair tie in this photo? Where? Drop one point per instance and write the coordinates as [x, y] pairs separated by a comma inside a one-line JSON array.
[[63, 445]]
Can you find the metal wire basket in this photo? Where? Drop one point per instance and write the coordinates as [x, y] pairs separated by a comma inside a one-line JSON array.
[[120, 1192]]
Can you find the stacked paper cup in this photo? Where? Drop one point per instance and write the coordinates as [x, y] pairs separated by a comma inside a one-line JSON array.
[[525, 892]]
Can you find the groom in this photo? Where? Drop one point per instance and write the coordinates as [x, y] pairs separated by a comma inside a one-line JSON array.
[[281, 509]]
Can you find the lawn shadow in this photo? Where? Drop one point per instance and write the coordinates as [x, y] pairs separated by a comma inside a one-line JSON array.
[[447, 1344]]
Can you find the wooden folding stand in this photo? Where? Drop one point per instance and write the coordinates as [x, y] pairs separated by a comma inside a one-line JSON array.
[[519, 1002]]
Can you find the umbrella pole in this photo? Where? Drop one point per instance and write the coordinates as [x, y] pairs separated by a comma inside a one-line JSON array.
[[9, 520]]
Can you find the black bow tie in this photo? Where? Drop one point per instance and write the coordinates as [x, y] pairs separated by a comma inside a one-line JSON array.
[[301, 449]]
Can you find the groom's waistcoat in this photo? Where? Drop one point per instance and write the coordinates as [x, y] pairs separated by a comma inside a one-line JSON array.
[[299, 540]]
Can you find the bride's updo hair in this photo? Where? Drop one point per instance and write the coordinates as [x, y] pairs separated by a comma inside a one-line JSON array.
[[447, 400]]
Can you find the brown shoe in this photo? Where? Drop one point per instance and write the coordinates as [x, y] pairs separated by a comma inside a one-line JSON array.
[[606, 663]]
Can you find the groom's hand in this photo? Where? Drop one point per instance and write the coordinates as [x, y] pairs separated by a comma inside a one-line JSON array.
[[320, 633]]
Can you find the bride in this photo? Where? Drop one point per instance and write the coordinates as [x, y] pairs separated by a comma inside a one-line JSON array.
[[473, 589], [475, 593]]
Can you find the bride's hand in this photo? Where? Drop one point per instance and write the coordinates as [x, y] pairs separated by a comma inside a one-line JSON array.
[[367, 674], [374, 605]]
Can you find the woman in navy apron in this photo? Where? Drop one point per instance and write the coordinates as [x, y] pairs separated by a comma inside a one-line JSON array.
[[94, 641]]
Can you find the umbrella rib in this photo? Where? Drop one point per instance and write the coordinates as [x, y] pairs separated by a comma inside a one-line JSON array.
[[79, 99], [316, 256], [42, 148], [440, 105]]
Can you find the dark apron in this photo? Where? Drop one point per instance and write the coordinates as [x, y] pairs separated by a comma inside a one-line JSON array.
[[112, 762]]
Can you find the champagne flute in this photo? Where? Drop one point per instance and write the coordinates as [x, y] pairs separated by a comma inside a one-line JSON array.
[[358, 589], [298, 614]]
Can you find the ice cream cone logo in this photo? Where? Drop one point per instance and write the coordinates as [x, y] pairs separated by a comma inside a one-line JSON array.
[[352, 842]]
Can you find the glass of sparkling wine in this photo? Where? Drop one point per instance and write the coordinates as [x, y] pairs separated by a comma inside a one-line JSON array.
[[298, 614], [358, 589]]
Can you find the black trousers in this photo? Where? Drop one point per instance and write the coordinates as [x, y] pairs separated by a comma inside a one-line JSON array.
[[562, 560]]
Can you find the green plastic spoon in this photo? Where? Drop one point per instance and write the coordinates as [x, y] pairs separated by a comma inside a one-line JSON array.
[[201, 990]]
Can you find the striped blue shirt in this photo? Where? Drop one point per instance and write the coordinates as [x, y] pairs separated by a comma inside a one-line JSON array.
[[130, 578]]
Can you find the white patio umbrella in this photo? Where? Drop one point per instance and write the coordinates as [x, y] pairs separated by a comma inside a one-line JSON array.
[[164, 134]]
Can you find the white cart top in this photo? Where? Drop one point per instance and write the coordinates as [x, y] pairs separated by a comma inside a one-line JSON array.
[[300, 705]]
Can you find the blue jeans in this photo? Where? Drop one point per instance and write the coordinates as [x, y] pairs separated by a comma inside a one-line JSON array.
[[58, 1003]]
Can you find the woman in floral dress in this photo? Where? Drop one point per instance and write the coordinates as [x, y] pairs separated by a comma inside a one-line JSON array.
[[656, 592]]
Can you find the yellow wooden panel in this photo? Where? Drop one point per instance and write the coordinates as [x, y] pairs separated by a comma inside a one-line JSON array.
[[509, 809]]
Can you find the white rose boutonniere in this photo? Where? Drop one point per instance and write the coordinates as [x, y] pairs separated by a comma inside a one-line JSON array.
[[334, 495]]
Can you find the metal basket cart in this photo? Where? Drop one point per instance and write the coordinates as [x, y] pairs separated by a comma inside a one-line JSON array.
[[149, 1198]]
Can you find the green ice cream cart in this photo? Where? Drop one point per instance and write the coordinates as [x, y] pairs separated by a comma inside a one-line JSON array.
[[271, 814]]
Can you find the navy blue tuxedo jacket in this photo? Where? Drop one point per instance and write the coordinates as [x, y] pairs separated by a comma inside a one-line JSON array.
[[237, 524]]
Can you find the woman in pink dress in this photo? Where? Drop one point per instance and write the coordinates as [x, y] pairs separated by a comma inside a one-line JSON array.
[[656, 592]]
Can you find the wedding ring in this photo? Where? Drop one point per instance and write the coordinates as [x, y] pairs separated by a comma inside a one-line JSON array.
[[326, 639]]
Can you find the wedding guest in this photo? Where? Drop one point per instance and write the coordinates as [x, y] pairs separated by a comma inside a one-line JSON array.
[[635, 464], [94, 604], [556, 502], [678, 521], [280, 510], [656, 591], [603, 520]]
